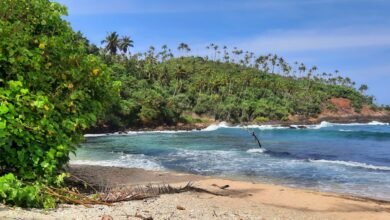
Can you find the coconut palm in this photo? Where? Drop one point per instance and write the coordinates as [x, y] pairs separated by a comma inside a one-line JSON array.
[[184, 47], [112, 43], [125, 43]]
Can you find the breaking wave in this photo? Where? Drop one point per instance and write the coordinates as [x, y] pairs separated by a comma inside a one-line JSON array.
[[352, 164], [323, 124], [256, 150], [124, 160]]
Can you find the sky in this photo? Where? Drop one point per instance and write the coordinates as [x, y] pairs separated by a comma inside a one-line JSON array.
[[352, 36]]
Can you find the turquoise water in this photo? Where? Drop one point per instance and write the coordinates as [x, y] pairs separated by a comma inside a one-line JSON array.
[[347, 158]]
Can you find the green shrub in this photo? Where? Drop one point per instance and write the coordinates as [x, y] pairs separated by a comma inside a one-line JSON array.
[[50, 91], [261, 119]]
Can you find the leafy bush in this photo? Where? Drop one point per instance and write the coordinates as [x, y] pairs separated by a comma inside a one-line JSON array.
[[50, 91]]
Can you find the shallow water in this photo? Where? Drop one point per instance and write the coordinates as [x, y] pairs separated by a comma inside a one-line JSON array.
[[346, 158]]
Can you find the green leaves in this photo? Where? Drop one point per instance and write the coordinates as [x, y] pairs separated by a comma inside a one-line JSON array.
[[15, 85], [16, 192], [3, 125], [48, 97], [3, 109]]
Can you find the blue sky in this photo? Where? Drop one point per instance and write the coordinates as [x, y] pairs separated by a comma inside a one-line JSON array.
[[352, 36]]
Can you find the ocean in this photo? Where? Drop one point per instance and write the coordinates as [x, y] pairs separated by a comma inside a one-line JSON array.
[[352, 159]]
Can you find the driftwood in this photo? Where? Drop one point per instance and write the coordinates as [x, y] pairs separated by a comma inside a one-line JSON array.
[[257, 139], [73, 196], [255, 136], [148, 191]]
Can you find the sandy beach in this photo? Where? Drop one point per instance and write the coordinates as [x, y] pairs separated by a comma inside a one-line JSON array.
[[240, 200]]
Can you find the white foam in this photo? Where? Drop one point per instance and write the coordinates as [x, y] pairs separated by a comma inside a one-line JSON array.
[[256, 150], [265, 127], [95, 135], [352, 164], [124, 160], [215, 127], [345, 130], [137, 132], [325, 124], [378, 123]]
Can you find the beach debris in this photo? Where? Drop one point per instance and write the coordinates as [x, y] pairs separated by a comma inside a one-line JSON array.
[[257, 139], [107, 195], [137, 215], [179, 207], [255, 136], [221, 187], [224, 187], [107, 217], [73, 196], [147, 191]]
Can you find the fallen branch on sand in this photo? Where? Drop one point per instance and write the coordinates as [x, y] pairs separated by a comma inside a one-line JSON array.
[[118, 194], [72, 196], [148, 191]]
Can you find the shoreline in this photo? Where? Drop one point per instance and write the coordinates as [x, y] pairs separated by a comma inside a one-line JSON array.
[[124, 176], [204, 125], [241, 200]]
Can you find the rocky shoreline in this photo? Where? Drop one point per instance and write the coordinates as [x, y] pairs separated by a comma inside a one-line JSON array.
[[290, 123]]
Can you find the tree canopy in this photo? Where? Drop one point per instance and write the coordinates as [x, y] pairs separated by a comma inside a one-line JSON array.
[[237, 86]]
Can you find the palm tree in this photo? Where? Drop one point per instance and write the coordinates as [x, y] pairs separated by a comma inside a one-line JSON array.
[[226, 56], [302, 68], [215, 51], [125, 43], [237, 52], [112, 43], [184, 47]]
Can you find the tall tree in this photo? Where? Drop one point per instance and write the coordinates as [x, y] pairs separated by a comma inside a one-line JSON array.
[[125, 43], [112, 43], [184, 47]]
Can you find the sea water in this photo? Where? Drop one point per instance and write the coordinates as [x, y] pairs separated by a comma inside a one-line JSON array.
[[345, 158]]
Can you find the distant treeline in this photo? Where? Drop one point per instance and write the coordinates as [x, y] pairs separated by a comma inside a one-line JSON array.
[[231, 85]]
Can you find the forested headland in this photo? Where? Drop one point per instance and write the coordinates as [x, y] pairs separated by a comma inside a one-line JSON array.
[[168, 86], [55, 85]]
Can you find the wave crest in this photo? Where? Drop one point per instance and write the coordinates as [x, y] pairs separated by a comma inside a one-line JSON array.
[[352, 164], [215, 127], [124, 160], [256, 150]]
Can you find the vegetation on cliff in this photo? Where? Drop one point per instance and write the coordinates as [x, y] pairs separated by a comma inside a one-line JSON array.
[[161, 89]]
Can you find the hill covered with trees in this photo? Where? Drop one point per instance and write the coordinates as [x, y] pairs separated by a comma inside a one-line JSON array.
[[228, 85]]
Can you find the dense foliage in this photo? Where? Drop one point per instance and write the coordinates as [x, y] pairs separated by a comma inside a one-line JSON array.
[[158, 88], [54, 85], [51, 89]]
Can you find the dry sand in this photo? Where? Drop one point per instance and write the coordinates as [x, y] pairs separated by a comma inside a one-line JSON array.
[[241, 200]]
